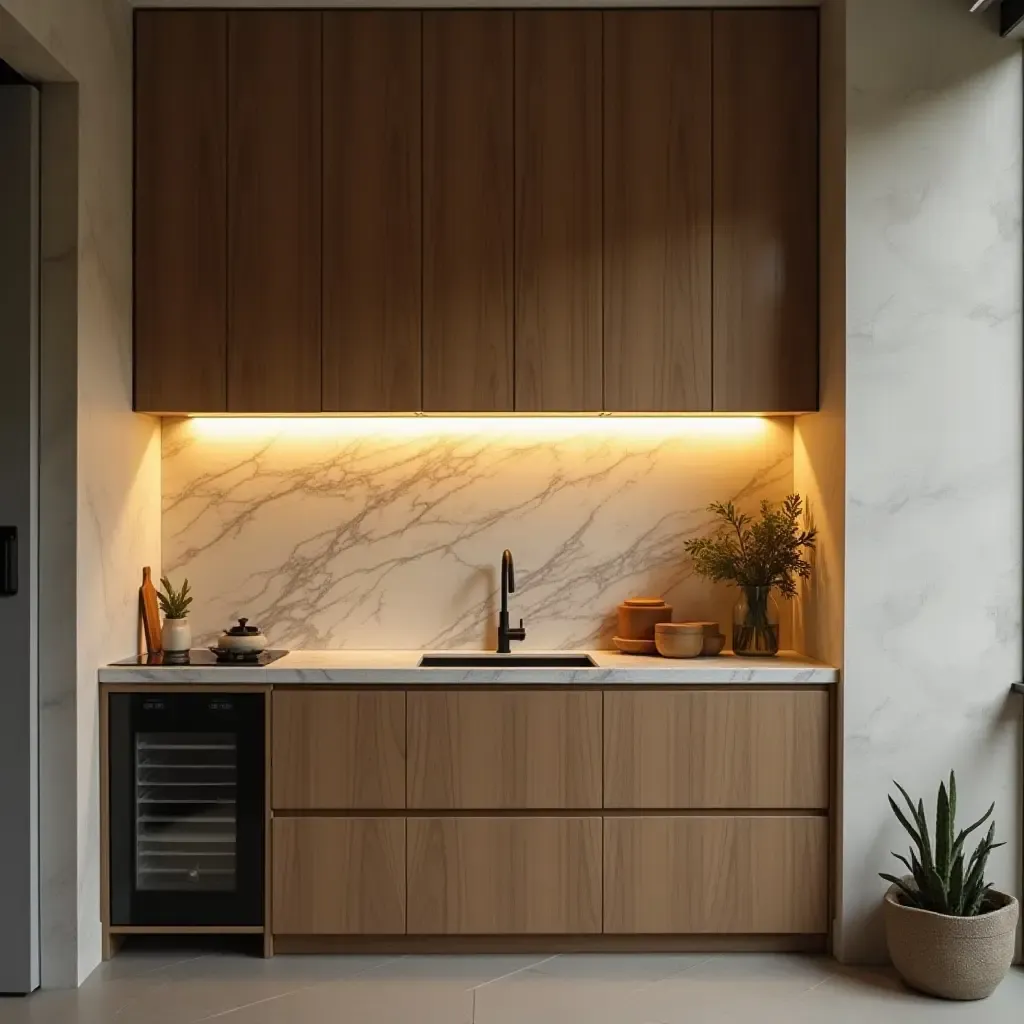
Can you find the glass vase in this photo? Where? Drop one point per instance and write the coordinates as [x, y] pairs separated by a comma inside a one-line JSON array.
[[755, 623]]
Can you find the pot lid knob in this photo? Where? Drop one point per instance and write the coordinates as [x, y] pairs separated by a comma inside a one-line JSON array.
[[243, 630]]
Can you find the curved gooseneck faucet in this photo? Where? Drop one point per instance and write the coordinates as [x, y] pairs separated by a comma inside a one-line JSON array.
[[508, 633]]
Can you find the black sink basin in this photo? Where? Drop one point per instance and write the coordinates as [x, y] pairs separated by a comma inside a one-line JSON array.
[[473, 660]]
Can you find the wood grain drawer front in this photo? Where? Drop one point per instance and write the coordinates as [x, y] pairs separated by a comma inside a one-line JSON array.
[[504, 750], [725, 875], [504, 876], [338, 750], [339, 876], [717, 749]]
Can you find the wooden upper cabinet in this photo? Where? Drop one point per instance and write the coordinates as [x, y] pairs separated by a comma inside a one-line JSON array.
[[274, 176], [372, 211], [766, 211], [657, 211], [558, 344], [467, 211], [180, 209]]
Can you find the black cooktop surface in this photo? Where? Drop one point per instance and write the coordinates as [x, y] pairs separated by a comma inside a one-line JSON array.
[[201, 658]]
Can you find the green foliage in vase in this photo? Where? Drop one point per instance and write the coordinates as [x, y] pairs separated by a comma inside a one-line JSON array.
[[173, 603], [944, 881], [765, 552]]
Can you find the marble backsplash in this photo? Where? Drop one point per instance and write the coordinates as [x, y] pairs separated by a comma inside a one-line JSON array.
[[348, 533]]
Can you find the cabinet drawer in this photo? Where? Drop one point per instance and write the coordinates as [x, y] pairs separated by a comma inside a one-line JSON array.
[[339, 876], [504, 750], [338, 750], [727, 875], [717, 749], [504, 876]]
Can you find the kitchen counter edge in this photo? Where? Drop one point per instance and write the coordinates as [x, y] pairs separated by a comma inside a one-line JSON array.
[[401, 668]]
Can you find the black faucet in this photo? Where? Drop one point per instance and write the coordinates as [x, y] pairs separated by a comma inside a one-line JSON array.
[[507, 633]]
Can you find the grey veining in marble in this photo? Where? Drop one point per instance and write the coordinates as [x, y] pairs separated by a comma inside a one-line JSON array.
[[402, 667], [370, 534], [933, 434]]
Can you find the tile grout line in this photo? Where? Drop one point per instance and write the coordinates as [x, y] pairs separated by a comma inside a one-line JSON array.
[[672, 976], [293, 991], [817, 985], [512, 974]]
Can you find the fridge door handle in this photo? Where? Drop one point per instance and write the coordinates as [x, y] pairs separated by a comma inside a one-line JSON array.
[[8, 561]]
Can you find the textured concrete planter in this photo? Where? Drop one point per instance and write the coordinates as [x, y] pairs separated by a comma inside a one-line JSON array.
[[951, 957]]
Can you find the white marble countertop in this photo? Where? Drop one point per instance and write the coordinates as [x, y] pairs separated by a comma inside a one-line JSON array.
[[402, 668]]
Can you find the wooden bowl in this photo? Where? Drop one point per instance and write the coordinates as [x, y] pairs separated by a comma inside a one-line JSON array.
[[628, 646], [679, 639], [714, 638], [639, 615], [714, 644]]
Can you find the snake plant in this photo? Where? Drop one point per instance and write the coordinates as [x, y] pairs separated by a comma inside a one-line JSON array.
[[944, 881]]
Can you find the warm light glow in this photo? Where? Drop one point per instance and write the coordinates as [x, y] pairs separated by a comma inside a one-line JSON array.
[[554, 427]]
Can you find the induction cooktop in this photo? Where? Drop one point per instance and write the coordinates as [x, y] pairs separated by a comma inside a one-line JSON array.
[[201, 658]]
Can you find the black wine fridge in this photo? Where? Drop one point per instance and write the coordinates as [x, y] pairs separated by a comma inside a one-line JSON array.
[[186, 808]]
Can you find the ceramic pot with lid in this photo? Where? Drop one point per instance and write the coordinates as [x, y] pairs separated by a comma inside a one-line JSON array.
[[242, 639]]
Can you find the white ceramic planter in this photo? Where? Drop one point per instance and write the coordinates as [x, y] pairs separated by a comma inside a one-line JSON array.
[[176, 635]]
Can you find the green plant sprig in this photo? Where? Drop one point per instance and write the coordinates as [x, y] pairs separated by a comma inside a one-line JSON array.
[[173, 603], [944, 881], [756, 553]]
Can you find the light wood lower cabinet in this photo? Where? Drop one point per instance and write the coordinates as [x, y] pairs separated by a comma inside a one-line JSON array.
[[339, 876], [505, 750], [338, 750], [504, 876], [553, 812], [716, 749], [725, 875]]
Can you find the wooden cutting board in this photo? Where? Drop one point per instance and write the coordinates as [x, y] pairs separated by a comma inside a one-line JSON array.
[[150, 611]]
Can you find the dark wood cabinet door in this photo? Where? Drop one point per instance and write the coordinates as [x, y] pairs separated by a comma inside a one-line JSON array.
[[468, 207], [558, 348], [372, 211], [180, 209], [657, 211], [766, 211], [274, 178]]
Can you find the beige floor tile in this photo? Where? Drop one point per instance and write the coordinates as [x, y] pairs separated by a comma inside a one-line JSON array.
[[592, 989], [364, 1000], [733, 988], [863, 996], [588, 989]]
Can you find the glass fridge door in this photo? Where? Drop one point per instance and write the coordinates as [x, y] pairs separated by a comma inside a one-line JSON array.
[[186, 808], [186, 811]]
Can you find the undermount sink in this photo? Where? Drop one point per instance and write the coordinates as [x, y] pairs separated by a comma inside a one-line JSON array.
[[474, 660]]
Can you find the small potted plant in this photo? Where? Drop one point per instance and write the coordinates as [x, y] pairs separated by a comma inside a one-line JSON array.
[[949, 932], [758, 556], [176, 634]]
